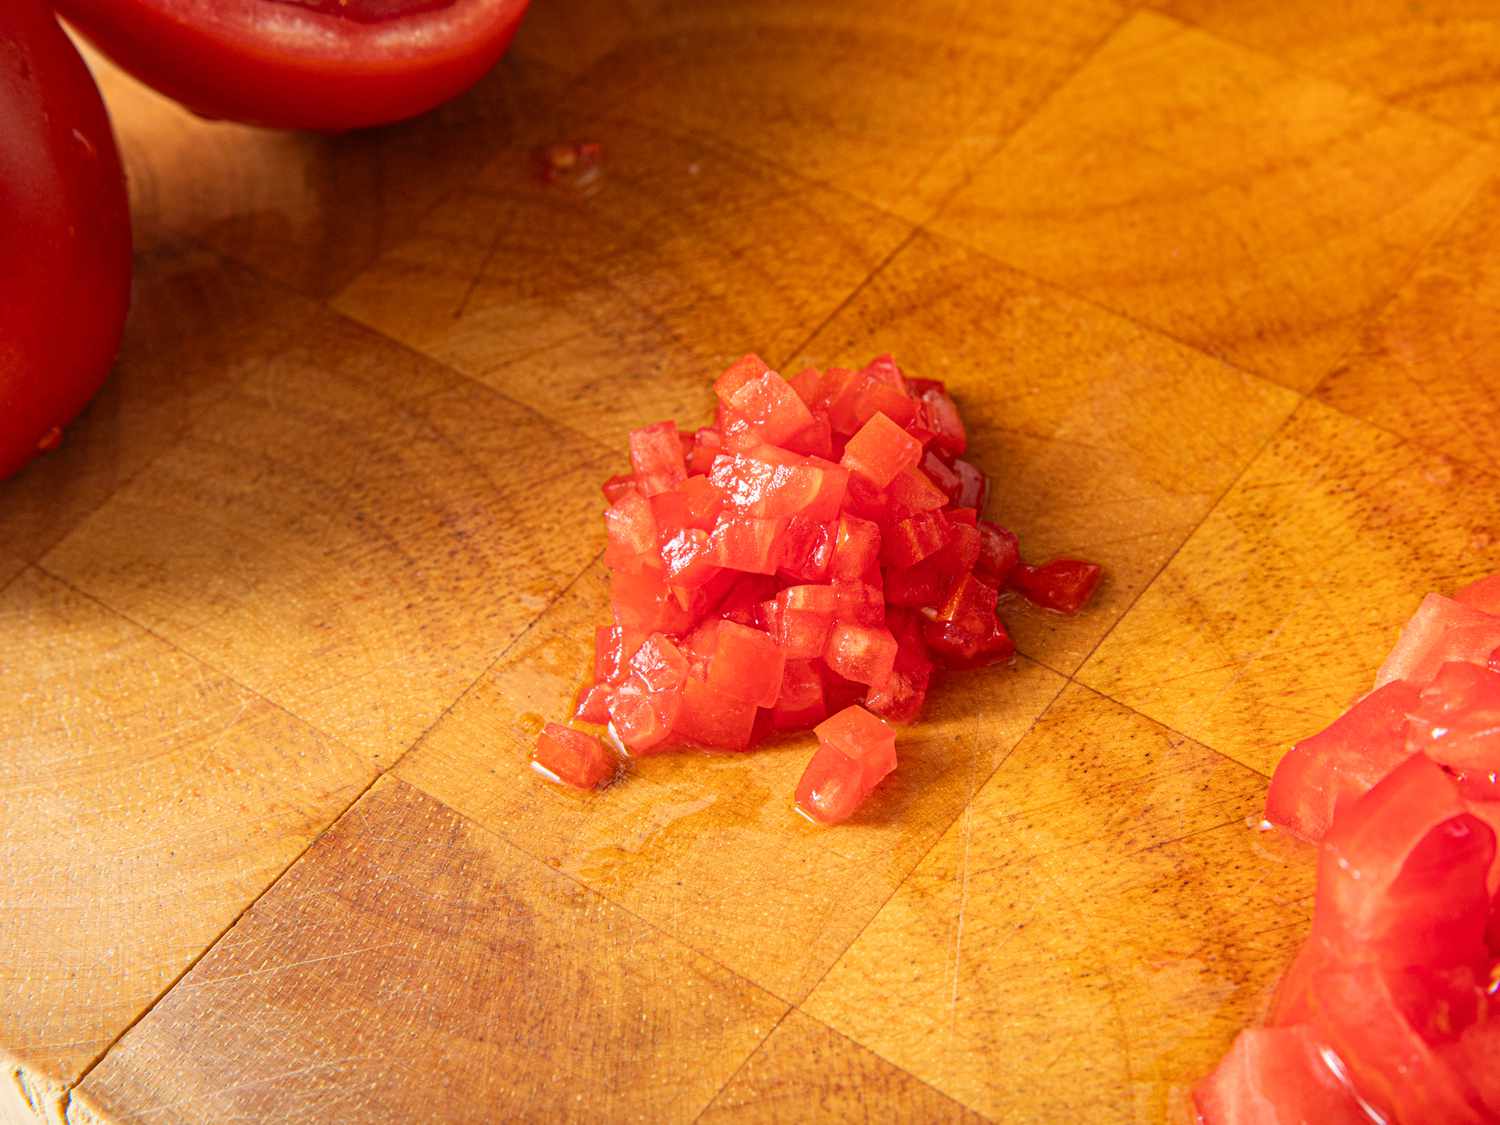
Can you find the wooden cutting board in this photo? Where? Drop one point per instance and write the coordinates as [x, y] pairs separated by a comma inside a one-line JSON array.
[[1215, 282]]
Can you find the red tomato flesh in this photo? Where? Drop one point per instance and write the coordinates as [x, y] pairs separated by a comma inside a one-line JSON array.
[[759, 586], [572, 757], [293, 64]]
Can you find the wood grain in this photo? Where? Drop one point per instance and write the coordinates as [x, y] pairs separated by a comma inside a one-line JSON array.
[[1096, 927], [1425, 367], [196, 328], [413, 967], [311, 210], [708, 847], [147, 801], [1272, 618], [806, 1071], [353, 532], [1069, 409], [614, 303], [1438, 56], [892, 104], [1220, 195]]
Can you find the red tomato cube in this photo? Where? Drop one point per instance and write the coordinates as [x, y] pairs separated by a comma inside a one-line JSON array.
[[999, 553], [656, 457], [808, 383], [856, 751], [941, 474], [806, 549], [943, 417], [618, 486], [1063, 585], [913, 539], [594, 703], [899, 699], [747, 664], [799, 704], [912, 491], [865, 654], [746, 543], [643, 603], [1441, 630], [712, 719], [1483, 595], [707, 444], [631, 529], [880, 450], [609, 661], [771, 406], [873, 396], [743, 370], [813, 440], [1456, 723], [643, 721], [572, 757], [973, 486], [659, 664], [856, 549]]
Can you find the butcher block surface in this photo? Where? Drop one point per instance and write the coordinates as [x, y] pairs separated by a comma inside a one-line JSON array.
[[1216, 284]]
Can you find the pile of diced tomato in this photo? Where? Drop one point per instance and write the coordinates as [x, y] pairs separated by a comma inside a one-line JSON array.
[[810, 560], [1391, 1011]]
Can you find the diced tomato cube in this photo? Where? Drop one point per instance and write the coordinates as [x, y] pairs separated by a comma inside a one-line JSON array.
[[593, 704], [911, 492], [876, 397], [866, 501], [915, 538], [1442, 630], [973, 486], [860, 603], [770, 404], [644, 720], [856, 751], [744, 599], [1063, 585], [966, 516], [941, 474], [643, 602], [689, 559], [747, 543], [956, 644], [1483, 595], [659, 664], [712, 719], [880, 450], [736, 434], [971, 604], [856, 548], [915, 586], [656, 457], [800, 703], [806, 549], [743, 370], [572, 757], [813, 440], [617, 486], [943, 417], [769, 483], [802, 618], [883, 370], [609, 659], [707, 444], [899, 699], [747, 664], [808, 383], [865, 654], [999, 552], [631, 530]]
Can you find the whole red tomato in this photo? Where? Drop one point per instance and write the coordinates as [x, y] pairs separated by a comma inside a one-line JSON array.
[[64, 234], [302, 64]]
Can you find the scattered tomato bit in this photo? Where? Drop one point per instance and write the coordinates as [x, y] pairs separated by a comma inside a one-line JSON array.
[[577, 163], [818, 551], [572, 757]]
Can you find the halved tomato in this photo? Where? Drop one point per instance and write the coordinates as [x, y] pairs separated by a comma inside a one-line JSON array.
[[302, 64]]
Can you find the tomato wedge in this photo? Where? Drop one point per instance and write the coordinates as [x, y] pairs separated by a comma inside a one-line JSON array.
[[302, 64], [65, 233]]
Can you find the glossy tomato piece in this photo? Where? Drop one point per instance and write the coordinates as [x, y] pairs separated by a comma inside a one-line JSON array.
[[806, 549], [712, 719], [594, 703], [856, 750], [1441, 630], [899, 698], [64, 235], [912, 491], [999, 553], [880, 450], [1456, 723], [1063, 585], [915, 538], [1276, 1076], [800, 704], [768, 483], [329, 64], [856, 548], [572, 757], [1482, 595], [944, 418], [771, 406], [865, 654], [643, 603], [747, 664], [656, 458], [630, 528], [1341, 763]]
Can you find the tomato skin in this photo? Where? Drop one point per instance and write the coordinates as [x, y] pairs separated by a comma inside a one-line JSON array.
[[65, 229], [266, 62]]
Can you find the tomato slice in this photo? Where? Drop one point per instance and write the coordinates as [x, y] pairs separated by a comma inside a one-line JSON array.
[[1442, 630], [1277, 1076], [1457, 724], [65, 233], [326, 65], [1341, 763]]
